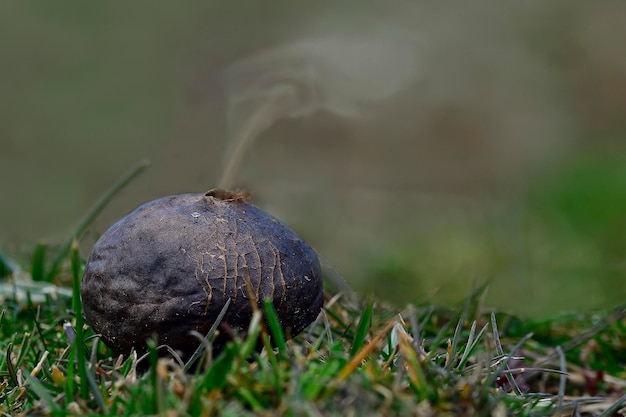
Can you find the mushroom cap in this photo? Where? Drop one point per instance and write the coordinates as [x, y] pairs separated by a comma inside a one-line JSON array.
[[170, 266]]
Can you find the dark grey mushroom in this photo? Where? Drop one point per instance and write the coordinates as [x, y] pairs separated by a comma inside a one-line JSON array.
[[170, 266]]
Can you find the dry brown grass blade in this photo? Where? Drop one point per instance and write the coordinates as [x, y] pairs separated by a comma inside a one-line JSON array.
[[356, 361]]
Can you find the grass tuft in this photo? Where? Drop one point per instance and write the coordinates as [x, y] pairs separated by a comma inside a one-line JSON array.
[[353, 360]]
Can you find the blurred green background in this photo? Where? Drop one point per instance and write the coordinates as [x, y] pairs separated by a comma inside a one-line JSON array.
[[500, 158]]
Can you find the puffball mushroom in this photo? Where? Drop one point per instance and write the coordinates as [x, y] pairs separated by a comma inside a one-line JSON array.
[[170, 266]]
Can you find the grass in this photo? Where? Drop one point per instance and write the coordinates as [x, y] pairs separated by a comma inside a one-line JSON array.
[[360, 357]]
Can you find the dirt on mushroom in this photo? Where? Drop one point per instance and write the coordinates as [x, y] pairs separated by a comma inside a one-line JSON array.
[[170, 266]]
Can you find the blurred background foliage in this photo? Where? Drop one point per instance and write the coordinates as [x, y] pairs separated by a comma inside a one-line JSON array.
[[501, 158]]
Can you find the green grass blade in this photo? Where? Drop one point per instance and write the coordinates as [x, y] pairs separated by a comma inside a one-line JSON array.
[[70, 383], [92, 214], [7, 266], [95, 390], [215, 378], [455, 342], [490, 382], [613, 409], [500, 351], [363, 328], [251, 341], [151, 405], [274, 365], [442, 335], [38, 265], [25, 347], [276, 329], [249, 398], [10, 367], [472, 342], [81, 357], [41, 391], [209, 335]]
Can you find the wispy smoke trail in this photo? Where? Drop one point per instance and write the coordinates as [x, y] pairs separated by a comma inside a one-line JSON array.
[[336, 74]]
